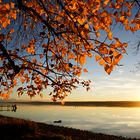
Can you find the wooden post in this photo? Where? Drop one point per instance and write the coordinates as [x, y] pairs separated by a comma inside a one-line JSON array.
[[8, 107]]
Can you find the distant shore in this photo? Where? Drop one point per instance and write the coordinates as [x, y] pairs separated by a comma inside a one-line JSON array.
[[15, 129], [82, 103]]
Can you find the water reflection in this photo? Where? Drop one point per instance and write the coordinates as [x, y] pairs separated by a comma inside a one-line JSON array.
[[4, 107], [110, 120]]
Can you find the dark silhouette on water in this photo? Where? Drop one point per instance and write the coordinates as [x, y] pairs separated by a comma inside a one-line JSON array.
[[87, 103], [59, 121], [4, 107], [14, 107]]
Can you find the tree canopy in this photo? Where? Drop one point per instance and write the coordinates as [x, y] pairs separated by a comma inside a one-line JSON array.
[[45, 43]]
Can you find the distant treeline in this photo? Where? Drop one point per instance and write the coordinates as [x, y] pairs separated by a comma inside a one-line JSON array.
[[106, 103], [80, 103]]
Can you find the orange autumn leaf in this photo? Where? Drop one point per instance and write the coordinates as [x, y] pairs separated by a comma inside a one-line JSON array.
[[44, 71], [97, 57], [85, 70], [10, 90], [97, 34], [12, 4], [34, 60], [7, 6], [5, 96], [30, 50], [86, 26], [124, 51], [78, 74], [71, 55], [89, 54], [106, 2], [82, 59], [108, 59], [1, 37], [73, 5], [14, 82], [81, 20], [117, 59], [6, 23], [62, 102], [127, 27], [102, 62], [41, 95], [13, 15], [41, 56], [125, 45], [103, 50], [115, 53], [12, 30], [108, 68], [122, 19], [110, 36], [22, 80]]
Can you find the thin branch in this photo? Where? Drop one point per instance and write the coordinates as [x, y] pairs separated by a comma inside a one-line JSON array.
[[137, 2], [29, 9], [28, 68], [12, 64]]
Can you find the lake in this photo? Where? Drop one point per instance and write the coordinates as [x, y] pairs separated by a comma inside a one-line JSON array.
[[122, 121]]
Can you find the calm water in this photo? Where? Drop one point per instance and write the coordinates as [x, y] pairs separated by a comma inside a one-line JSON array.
[[109, 120]]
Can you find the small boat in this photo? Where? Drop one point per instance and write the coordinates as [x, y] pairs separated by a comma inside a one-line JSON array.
[[14, 107], [59, 121]]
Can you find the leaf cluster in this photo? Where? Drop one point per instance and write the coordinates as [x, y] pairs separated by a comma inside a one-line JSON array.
[[45, 44]]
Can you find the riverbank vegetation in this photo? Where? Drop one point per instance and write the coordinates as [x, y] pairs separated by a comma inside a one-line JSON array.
[[15, 129]]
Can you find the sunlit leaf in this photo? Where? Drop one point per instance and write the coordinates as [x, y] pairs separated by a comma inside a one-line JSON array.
[[102, 62], [117, 58], [97, 57], [108, 68], [108, 59], [85, 70], [14, 82]]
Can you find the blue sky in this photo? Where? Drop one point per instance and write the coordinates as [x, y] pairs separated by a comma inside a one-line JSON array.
[[122, 84]]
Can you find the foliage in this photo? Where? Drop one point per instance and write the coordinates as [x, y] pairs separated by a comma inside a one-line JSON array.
[[45, 43]]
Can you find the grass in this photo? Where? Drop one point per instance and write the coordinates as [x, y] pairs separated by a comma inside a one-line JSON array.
[[19, 129]]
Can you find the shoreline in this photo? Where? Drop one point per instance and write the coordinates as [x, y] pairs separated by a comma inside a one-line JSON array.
[[79, 103], [26, 129]]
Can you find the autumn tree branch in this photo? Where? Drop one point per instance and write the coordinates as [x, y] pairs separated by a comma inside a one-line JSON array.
[[33, 12], [11, 62]]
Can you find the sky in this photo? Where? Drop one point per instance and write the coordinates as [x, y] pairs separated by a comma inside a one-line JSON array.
[[123, 84]]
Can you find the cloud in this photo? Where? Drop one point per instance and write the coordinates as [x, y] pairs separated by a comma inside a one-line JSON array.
[[120, 70], [120, 85]]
